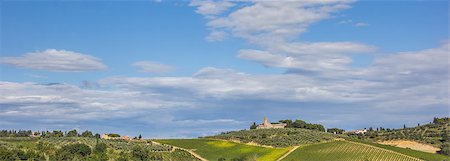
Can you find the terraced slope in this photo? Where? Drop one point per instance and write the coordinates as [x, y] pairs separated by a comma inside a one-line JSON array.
[[346, 150], [215, 149]]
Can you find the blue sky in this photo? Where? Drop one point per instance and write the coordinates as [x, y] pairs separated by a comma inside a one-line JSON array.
[[193, 68]]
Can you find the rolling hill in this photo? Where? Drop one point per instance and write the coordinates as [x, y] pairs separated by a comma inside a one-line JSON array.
[[285, 137]]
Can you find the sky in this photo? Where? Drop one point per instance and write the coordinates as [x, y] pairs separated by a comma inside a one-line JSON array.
[[183, 69]]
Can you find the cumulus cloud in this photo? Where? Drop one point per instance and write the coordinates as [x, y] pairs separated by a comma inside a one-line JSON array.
[[214, 99], [153, 67], [210, 8], [275, 26], [361, 24], [56, 60], [272, 20]]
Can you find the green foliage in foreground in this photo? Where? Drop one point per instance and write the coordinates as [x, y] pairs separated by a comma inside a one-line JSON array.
[[410, 152], [218, 150], [90, 149], [344, 150], [278, 137]]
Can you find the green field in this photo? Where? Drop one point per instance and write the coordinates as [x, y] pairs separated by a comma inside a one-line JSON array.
[[345, 150], [215, 149]]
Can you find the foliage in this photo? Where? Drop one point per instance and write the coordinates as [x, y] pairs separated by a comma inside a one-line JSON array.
[[72, 133], [77, 148], [87, 134], [113, 135], [445, 149], [218, 149], [335, 131], [278, 137], [100, 148], [302, 124], [253, 126], [14, 133], [72, 152]]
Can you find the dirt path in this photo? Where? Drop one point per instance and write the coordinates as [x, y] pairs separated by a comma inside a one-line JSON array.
[[289, 152], [412, 145], [187, 150]]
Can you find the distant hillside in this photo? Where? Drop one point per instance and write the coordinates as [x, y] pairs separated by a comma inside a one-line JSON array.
[[435, 133], [278, 137], [86, 148]]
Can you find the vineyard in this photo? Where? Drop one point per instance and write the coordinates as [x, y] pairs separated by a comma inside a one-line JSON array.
[[218, 150], [346, 150], [278, 137], [410, 152], [46, 148]]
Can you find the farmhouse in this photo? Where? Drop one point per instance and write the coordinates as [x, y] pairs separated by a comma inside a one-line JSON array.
[[361, 131], [267, 125]]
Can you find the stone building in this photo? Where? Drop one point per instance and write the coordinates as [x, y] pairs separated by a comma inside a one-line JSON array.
[[267, 125]]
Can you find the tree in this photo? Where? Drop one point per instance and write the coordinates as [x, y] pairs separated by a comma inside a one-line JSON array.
[[335, 131], [72, 152], [253, 126], [140, 137], [445, 148], [72, 133], [87, 134], [140, 153], [56, 133], [97, 135], [288, 122], [100, 148], [113, 135]]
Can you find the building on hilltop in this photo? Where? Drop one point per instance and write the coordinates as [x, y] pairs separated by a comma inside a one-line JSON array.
[[267, 125]]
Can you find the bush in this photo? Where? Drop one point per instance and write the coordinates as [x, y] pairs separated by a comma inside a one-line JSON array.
[[72, 151], [100, 148], [445, 149]]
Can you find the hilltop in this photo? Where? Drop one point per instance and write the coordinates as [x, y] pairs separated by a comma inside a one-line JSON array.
[[284, 137]]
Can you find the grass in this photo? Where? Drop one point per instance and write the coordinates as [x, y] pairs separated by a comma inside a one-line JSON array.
[[215, 149], [410, 152], [343, 150]]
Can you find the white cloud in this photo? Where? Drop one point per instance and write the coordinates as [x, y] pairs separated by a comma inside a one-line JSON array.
[[414, 81], [361, 24], [274, 20], [216, 36], [209, 8], [329, 48], [153, 67], [351, 22], [274, 27], [56, 60], [345, 21]]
